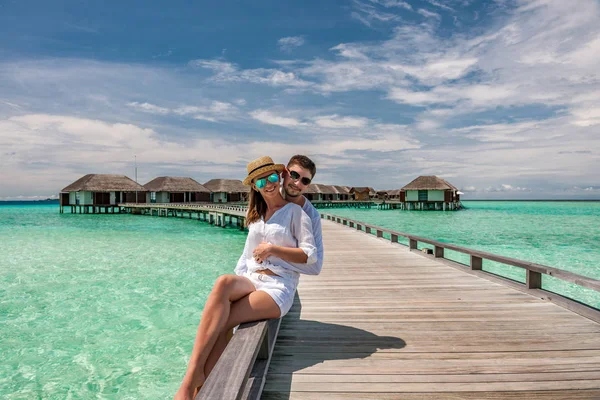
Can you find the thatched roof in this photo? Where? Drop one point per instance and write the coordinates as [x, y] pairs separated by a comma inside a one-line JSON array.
[[341, 189], [360, 189], [104, 183], [319, 188], [395, 192], [226, 186], [174, 184], [429, 183]]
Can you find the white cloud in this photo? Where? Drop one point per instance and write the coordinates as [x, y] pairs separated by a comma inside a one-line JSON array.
[[214, 111], [337, 122], [393, 3], [267, 117], [150, 108], [289, 43], [586, 116], [228, 72], [429, 14]]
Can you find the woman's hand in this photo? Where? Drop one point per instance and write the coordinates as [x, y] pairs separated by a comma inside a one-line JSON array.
[[262, 251]]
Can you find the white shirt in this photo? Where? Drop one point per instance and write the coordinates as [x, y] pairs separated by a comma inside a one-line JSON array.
[[315, 218], [289, 226]]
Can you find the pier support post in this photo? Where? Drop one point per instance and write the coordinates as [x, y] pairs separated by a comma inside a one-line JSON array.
[[534, 280], [476, 263]]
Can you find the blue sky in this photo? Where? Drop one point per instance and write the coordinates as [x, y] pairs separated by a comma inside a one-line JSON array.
[[500, 97]]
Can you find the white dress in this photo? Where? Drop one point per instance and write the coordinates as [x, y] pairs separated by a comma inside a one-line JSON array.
[[288, 227]]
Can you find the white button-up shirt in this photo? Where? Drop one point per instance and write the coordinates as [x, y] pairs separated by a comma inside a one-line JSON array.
[[289, 226]]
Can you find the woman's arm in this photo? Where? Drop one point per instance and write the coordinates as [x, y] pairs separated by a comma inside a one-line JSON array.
[[289, 254], [241, 266]]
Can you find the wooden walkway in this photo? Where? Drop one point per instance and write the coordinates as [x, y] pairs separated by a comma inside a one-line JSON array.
[[381, 322]]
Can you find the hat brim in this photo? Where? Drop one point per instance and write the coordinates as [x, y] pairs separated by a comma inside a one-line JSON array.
[[260, 171]]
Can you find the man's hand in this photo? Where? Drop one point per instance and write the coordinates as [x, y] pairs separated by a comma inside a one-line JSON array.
[[262, 251]]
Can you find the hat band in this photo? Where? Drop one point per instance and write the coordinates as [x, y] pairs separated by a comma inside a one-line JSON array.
[[262, 166]]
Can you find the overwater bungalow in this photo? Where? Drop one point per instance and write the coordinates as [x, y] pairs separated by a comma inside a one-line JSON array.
[[430, 193], [360, 193], [382, 195], [175, 189], [227, 190], [393, 194], [342, 192], [319, 192], [101, 192]]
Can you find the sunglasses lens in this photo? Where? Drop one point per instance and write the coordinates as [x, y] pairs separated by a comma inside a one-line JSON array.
[[295, 176], [273, 178], [261, 183]]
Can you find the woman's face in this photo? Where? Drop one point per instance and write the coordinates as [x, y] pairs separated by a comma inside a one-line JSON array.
[[267, 184]]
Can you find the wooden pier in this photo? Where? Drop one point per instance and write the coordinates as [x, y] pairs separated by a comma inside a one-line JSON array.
[[386, 321], [219, 215]]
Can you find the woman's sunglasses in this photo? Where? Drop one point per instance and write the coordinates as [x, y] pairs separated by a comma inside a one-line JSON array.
[[262, 182], [295, 176]]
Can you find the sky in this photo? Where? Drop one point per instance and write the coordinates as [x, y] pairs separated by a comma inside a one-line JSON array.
[[499, 97]]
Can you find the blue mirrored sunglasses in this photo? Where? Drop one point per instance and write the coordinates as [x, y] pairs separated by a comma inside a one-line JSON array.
[[262, 182]]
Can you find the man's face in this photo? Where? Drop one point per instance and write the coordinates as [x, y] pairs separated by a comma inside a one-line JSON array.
[[295, 187]]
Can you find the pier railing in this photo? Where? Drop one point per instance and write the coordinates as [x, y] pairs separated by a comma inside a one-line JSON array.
[[534, 272], [241, 370]]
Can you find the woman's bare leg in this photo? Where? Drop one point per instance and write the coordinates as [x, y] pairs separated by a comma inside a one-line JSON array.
[[227, 288], [256, 306]]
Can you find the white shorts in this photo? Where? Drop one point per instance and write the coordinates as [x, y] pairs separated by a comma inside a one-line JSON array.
[[280, 289]]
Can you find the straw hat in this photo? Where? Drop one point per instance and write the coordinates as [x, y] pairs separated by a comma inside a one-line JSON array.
[[260, 166]]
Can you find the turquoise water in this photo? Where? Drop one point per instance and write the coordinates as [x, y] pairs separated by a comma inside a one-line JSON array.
[[564, 235], [102, 306], [106, 306]]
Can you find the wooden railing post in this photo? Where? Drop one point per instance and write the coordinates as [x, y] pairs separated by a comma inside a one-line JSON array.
[[368, 229], [351, 224], [476, 263], [379, 233], [438, 252], [412, 244], [534, 280], [394, 238]]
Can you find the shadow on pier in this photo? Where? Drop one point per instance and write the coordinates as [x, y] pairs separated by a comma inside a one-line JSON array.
[[296, 348]]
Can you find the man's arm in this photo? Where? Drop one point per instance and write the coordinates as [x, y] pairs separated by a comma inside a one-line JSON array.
[[289, 254], [304, 256]]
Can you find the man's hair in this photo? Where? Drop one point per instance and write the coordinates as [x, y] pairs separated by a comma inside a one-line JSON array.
[[304, 162]]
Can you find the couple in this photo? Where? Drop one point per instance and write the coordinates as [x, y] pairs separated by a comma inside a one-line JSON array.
[[284, 240]]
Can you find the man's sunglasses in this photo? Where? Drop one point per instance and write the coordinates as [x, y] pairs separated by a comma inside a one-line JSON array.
[[295, 176], [262, 182]]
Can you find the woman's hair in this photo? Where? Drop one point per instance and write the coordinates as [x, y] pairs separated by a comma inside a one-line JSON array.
[[257, 207]]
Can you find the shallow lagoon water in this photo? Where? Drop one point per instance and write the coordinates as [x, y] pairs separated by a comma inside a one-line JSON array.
[[106, 306], [102, 306]]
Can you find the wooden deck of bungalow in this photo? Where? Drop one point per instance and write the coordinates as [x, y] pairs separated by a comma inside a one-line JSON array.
[[384, 321]]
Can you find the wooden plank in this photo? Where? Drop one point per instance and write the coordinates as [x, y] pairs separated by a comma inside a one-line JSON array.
[[230, 374], [593, 394]]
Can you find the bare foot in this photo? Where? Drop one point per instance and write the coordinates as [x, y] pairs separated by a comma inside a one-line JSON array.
[[188, 391]]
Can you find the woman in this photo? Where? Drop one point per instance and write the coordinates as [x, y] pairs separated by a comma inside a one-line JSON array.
[[261, 288]]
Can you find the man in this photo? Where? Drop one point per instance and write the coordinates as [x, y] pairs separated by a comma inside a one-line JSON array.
[[296, 178]]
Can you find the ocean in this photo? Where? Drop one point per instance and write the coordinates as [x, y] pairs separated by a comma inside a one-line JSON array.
[[107, 306]]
